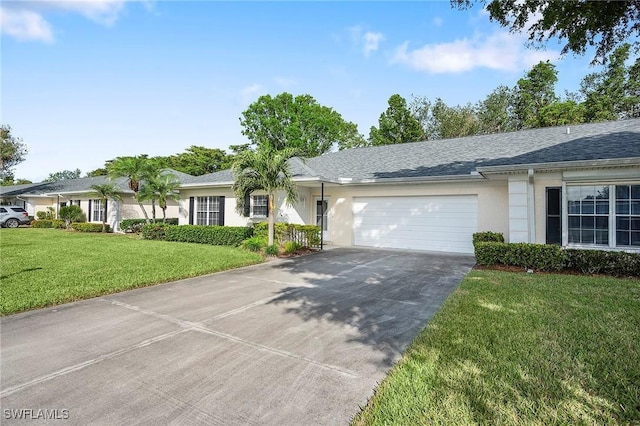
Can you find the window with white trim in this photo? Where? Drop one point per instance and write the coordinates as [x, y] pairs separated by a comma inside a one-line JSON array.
[[97, 210], [628, 215], [604, 215], [207, 210], [259, 206], [588, 214]]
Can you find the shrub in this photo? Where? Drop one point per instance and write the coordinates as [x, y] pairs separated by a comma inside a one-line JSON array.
[[254, 243], [215, 235], [305, 235], [488, 236], [154, 231], [614, 263], [272, 250], [48, 223], [88, 227], [542, 257], [291, 247], [41, 215], [71, 214], [135, 225]]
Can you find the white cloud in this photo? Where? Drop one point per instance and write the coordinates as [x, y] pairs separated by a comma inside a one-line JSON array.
[[368, 40], [500, 51], [25, 25], [371, 42], [26, 20], [250, 93]]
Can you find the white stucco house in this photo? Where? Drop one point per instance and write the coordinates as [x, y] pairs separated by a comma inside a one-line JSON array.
[[37, 197], [572, 185], [577, 186]]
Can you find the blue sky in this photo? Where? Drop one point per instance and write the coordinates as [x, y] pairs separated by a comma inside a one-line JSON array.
[[86, 81]]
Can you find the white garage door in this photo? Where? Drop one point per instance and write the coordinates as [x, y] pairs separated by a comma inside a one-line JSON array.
[[438, 223]]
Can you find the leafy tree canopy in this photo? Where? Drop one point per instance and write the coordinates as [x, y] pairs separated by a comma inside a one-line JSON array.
[[534, 92], [579, 24], [396, 125], [62, 175], [199, 160], [12, 152], [299, 123]]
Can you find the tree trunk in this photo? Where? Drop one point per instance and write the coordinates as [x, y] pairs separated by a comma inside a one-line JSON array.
[[164, 214], [153, 209], [104, 216], [144, 212], [271, 217]]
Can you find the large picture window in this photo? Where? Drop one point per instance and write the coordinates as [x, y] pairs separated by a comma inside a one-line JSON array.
[[628, 215], [605, 215], [208, 211]]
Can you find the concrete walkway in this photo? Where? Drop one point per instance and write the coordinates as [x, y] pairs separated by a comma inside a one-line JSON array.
[[290, 342]]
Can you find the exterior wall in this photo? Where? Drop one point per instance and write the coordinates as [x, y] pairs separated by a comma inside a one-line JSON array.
[[518, 210], [284, 213], [492, 203], [542, 182], [39, 204]]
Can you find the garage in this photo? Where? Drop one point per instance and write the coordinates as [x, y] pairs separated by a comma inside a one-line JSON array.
[[434, 223]]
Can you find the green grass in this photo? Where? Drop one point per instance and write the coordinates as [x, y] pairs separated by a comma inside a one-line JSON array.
[[518, 349], [42, 267]]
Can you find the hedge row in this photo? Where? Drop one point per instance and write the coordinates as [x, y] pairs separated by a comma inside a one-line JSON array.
[[546, 257], [215, 235], [304, 235], [48, 223], [135, 225], [89, 227]]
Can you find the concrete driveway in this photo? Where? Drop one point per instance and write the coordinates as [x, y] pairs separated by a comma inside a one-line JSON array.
[[290, 342]]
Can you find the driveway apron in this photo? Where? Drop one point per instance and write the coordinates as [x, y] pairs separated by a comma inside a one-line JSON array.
[[290, 342]]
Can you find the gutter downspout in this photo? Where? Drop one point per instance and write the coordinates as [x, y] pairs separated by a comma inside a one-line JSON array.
[[531, 213]]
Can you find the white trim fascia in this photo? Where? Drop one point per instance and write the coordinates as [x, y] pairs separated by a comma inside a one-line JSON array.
[[560, 165], [414, 180]]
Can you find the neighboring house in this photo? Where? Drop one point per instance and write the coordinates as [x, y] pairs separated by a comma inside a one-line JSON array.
[[571, 185], [40, 196]]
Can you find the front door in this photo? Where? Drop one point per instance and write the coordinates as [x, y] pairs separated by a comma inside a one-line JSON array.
[[322, 218]]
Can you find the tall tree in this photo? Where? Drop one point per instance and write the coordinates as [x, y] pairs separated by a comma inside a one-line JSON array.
[[12, 152], [452, 122], [264, 169], [496, 111], [105, 192], [135, 169], [606, 92], [160, 188], [199, 160], [534, 92], [62, 175], [581, 24], [396, 125], [561, 113], [300, 123], [632, 89]]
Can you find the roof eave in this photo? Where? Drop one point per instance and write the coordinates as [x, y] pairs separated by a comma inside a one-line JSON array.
[[560, 165], [414, 180]]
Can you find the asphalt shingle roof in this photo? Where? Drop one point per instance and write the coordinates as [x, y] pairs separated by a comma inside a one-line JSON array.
[[461, 156]]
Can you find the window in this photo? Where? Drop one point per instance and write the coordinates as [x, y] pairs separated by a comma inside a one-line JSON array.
[[3, 210], [554, 218], [259, 206], [627, 215], [208, 211], [588, 214], [97, 210]]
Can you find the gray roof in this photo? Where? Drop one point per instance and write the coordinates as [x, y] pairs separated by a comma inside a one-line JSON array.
[[75, 185], [462, 156]]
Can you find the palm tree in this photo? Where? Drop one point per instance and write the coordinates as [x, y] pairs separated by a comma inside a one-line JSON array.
[[264, 169], [104, 192], [135, 169], [161, 188]]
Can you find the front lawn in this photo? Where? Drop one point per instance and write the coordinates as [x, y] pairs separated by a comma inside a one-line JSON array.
[[42, 267], [518, 349]]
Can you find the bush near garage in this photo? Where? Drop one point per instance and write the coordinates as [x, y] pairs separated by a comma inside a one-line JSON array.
[[547, 257], [305, 235]]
